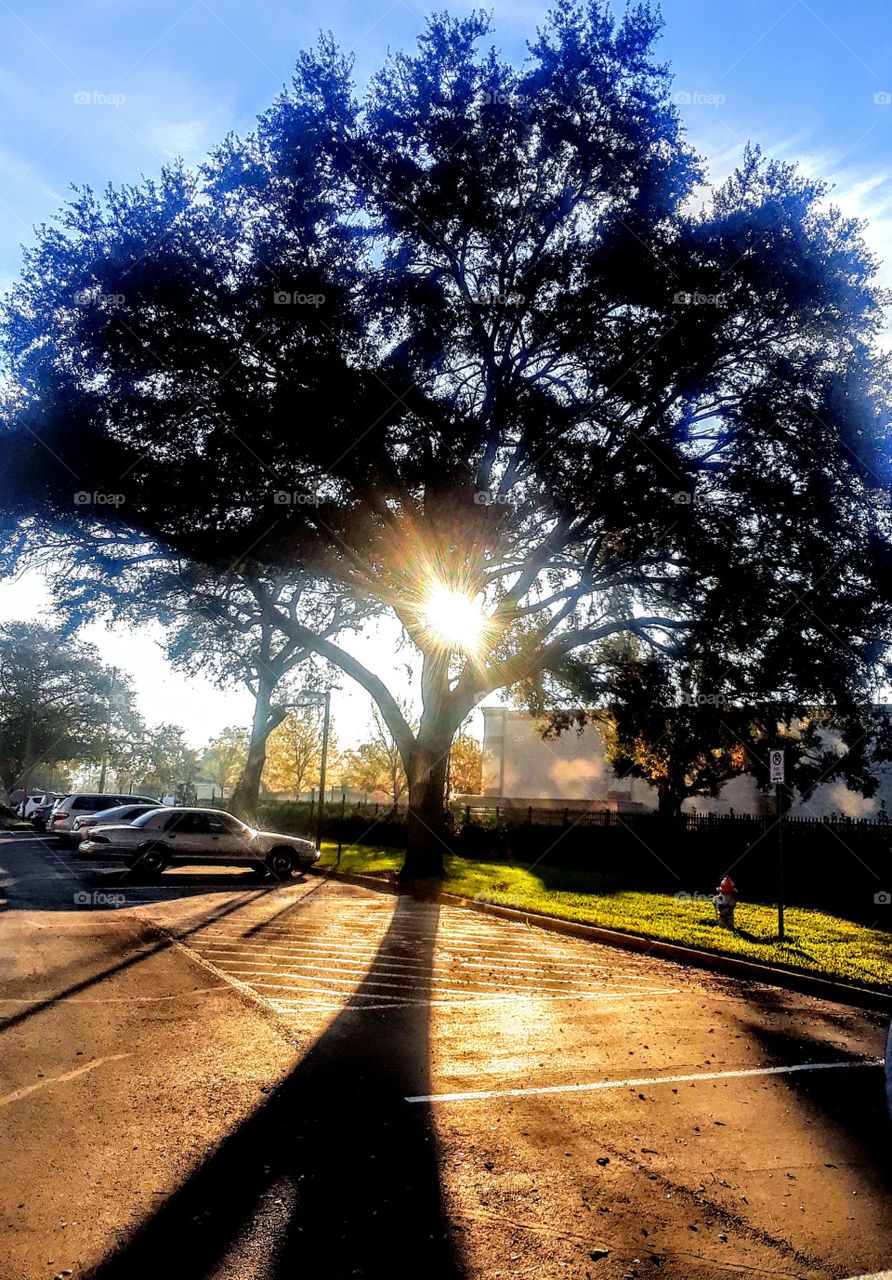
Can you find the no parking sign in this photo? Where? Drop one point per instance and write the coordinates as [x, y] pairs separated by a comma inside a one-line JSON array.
[[776, 767]]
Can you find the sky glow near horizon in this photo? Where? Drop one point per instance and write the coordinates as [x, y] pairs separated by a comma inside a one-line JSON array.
[[108, 91]]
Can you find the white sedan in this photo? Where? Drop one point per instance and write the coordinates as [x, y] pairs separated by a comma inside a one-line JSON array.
[[162, 837]]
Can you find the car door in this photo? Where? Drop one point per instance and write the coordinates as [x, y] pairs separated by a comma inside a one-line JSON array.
[[184, 835], [228, 836]]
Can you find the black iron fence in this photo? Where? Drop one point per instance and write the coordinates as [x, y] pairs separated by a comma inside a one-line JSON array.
[[841, 864]]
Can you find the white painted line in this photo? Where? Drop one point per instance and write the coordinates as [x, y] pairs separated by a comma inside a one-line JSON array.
[[382, 964], [371, 950], [228, 978], [18, 1094], [365, 956], [239, 959], [473, 999], [639, 1081]]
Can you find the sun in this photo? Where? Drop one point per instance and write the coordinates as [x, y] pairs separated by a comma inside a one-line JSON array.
[[456, 619]]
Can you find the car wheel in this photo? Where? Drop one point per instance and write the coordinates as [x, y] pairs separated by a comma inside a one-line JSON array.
[[281, 863], [150, 861]]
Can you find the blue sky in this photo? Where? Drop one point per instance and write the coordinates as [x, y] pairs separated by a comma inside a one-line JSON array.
[[169, 77], [98, 91]]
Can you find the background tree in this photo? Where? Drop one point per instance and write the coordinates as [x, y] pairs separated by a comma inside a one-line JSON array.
[[53, 700], [212, 621], [294, 751], [554, 390], [466, 766], [172, 763], [223, 759], [377, 763]]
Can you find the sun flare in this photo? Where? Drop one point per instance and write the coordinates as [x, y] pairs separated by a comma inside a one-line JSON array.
[[456, 619]]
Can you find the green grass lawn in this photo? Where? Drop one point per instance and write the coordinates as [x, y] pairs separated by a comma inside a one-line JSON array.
[[817, 942]]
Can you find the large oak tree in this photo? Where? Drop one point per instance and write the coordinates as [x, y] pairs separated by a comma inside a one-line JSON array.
[[481, 337]]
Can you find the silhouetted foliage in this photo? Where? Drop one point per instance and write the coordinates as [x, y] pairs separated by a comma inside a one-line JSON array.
[[485, 329]]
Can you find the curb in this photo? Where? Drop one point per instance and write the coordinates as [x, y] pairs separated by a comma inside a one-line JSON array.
[[749, 970]]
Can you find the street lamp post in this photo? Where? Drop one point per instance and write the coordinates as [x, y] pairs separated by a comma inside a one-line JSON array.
[[326, 701], [108, 720], [319, 698]]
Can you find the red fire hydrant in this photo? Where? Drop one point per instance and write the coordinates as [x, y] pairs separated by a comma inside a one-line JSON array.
[[725, 901]]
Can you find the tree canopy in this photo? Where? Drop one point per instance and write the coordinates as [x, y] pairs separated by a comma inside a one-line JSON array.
[[54, 693], [484, 336]]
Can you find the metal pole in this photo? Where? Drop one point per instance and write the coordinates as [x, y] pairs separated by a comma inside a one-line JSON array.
[[341, 824], [326, 701], [780, 862], [108, 718]]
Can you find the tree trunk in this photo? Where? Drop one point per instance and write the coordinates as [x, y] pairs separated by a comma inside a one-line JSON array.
[[427, 828], [243, 802], [669, 800]]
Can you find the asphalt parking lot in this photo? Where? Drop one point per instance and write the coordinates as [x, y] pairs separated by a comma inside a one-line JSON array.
[[469, 1096]]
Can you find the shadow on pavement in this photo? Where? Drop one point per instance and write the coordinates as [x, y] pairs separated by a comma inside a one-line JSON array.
[[853, 1102], [93, 978], [354, 1167]]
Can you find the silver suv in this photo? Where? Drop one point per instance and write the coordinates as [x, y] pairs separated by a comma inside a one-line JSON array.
[[85, 822], [81, 803], [196, 836]]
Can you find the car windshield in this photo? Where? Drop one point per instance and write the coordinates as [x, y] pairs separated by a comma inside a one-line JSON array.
[[141, 821], [123, 813]]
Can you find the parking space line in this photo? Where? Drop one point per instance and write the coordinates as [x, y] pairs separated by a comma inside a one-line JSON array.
[[639, 1082], [469, 998], [295, 942], [18, 1094], [361, 965]]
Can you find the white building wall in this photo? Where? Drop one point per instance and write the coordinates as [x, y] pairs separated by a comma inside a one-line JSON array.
[[520, 767]]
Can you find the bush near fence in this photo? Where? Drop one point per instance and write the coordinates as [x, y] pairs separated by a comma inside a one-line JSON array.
[[841, 865], [361, 824]]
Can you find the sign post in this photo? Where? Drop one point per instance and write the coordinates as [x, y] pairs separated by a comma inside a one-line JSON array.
[[777, 774]]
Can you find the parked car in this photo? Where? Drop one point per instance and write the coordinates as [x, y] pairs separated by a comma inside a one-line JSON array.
[[40, 816], [14, 799], [33, 800], [81, 804], [204, 836], [126, 813], [29, 803], [40, 812]]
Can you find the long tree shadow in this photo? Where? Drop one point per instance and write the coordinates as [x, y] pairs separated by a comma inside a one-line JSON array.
[[118, 966], [856, 1106], [336, 1142]]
